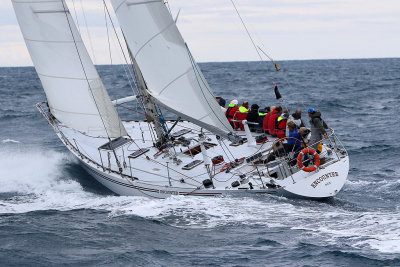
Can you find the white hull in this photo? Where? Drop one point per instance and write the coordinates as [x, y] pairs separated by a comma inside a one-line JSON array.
[[158, 176], [127, 187]]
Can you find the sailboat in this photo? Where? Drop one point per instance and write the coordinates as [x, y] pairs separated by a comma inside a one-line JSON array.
[[198, 153]]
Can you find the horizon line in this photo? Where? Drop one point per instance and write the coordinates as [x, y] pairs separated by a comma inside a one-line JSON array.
[[240, 61]]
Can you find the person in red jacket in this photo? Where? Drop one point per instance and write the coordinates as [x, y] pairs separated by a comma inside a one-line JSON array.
[[266, 119], [230, 112], [271, 122], [281, 121]]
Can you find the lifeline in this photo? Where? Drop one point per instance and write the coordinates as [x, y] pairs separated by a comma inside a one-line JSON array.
[[323, 178]]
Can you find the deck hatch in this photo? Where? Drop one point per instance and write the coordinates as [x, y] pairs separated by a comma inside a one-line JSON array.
[[192, 164], [138, 153], [116, 143]]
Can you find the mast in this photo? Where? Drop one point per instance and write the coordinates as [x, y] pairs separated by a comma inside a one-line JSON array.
[[173, 78], [151, 114]]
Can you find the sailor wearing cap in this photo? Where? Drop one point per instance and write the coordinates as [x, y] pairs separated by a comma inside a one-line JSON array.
[[318, 127]]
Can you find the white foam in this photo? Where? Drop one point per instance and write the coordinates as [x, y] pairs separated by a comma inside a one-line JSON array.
[[381, 184], [10, 141], [29, 172], [42, 183], [201, 212]]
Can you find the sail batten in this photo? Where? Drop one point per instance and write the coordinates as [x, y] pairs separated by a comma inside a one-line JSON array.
[[75, 93], [128, 3], [172, 76], [50, 41], [153, 37], [64, 77]]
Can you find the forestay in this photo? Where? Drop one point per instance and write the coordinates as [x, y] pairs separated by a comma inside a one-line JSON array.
[[74, 90], [170, 72]]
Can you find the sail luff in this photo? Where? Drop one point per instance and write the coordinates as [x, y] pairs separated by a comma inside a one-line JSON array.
[[151, 108], [172, 76], [75, 93]]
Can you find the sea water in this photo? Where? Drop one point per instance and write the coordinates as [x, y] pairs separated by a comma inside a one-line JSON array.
[[53, 213]]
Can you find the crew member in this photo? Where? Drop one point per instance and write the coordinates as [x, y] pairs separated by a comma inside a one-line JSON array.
[[272, 119], [253, 117], [241, 115], [230, 112], [221, 102], [261, 115], [244, 108], [266, 119], [318, 127], [280, 124]]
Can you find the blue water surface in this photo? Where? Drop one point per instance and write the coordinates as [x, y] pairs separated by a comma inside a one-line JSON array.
[[53, 213]]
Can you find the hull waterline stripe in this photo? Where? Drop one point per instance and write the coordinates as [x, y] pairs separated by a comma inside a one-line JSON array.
[[206, 194], [144, 188]]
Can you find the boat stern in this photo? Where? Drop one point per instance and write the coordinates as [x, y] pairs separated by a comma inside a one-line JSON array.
[[323, 183]]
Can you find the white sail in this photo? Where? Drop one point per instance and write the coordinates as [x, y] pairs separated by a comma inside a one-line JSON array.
[[170, 72], [75, 93]]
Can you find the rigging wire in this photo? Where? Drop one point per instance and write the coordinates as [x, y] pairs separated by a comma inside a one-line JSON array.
[[108, 35], [248, 33], [76, 17], [131, 109], [130, 70], [88, 33], [219, 141], [87, 79], [258, 49], [123, 53]]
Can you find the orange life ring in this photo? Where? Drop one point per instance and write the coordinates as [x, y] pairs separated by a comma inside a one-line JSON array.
[[316, 159]]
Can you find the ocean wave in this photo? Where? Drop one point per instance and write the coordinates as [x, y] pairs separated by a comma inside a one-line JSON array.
[[8, 140], [38, 181]]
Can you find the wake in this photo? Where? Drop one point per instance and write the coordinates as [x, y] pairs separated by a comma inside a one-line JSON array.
[[38, 180]]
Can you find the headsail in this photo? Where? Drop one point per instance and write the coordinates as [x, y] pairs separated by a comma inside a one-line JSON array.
[[173, 77], [74, 90]]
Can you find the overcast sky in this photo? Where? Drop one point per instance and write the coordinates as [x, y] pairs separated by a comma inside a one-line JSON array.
[[287, 29]]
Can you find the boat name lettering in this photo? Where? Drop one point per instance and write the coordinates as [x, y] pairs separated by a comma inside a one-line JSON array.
[[168, 192], [323, 178]]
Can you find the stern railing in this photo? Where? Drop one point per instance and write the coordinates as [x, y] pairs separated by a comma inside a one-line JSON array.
[[286, 161]]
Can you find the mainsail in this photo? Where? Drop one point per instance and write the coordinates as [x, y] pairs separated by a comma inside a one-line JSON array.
[[75, 93], [173, 77]]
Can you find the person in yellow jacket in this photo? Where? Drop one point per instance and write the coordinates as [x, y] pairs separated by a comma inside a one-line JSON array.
[[244, 108]]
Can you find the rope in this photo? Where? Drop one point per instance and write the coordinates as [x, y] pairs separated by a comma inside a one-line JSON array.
[[257, 48], [225, 151], [131, 109], [248, 33], [228, 150]]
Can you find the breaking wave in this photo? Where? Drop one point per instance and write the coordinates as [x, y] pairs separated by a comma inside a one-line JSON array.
[[38, 180], [8, 140]]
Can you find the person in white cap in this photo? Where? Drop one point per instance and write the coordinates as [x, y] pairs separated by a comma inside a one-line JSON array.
[[232, 109]]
